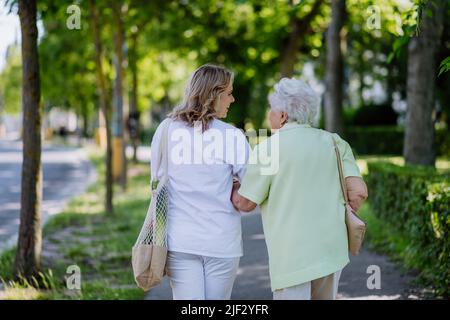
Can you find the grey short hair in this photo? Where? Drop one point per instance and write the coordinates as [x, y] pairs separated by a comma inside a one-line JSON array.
[[297, 99]]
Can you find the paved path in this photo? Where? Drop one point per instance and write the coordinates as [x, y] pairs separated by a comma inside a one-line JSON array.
[[252, 281], [66, 173]]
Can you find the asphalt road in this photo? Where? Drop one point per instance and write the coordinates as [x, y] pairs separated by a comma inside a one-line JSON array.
[[66, 173]]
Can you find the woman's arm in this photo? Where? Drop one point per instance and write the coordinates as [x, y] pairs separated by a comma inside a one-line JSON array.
[[356, 191], [239, 202]]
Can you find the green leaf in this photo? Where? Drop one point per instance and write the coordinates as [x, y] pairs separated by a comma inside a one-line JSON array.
[[390, 57], [444, 62], [444, 66]]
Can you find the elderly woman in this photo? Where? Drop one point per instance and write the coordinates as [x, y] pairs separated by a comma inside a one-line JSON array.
[[301, 202]]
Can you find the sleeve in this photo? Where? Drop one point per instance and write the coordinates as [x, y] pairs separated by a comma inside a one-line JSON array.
[[154, 153], [242, 152], [349, 166], [255, 185]]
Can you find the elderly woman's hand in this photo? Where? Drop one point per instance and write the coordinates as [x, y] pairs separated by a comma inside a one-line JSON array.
[[239, 202], [234, 194], [356, 191]]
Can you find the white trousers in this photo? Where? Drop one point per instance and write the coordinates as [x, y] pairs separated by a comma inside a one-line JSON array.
[[319, 289], [194, 277]]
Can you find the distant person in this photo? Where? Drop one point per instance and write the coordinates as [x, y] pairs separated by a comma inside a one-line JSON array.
[[302, 203], [203, 228], [133, 124], [63, 133]]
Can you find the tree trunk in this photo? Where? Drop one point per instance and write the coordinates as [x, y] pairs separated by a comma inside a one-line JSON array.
[[134, 91], [299, 28], [419, 131], [334, 69], [27, 261], [119, 164], [2, 125], [105, 104], [85, 117], [390, 87], [361, 89]]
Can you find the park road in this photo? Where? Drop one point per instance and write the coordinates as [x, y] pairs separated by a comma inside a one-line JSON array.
[[66, 173]]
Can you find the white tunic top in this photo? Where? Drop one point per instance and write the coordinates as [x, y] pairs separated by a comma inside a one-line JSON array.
[[201, 166]]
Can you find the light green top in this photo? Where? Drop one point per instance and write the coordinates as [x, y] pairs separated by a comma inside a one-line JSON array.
[[301, 202]]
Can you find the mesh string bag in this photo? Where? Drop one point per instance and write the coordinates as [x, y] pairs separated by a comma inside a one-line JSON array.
[[149, 253]]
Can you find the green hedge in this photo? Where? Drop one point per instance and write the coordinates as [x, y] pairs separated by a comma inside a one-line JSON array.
[[376, 140], [437, 243], [389, 140], [416, 202]]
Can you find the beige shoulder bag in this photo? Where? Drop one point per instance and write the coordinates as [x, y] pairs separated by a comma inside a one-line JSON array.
[[356, 228]]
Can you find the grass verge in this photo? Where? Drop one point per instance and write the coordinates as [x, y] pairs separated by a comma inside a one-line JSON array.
[[88, 239]]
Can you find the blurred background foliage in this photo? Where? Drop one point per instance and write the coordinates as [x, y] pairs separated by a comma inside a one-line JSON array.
[[167, 40]]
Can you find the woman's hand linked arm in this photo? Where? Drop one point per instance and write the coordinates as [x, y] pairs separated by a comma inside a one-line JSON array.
[[239, 202]]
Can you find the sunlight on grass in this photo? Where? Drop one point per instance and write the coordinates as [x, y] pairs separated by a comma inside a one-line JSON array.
[[90, 203], [442, 164], [24, 289], [363, 160], [21, 294]]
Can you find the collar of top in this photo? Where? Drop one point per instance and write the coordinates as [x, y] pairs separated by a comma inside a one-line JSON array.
[[294, 125]]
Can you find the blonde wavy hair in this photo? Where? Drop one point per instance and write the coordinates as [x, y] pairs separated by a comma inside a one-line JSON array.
[[202, 94]]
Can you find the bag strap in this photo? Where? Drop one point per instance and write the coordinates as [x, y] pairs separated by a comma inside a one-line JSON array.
[[341, 175], [163, 150]]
